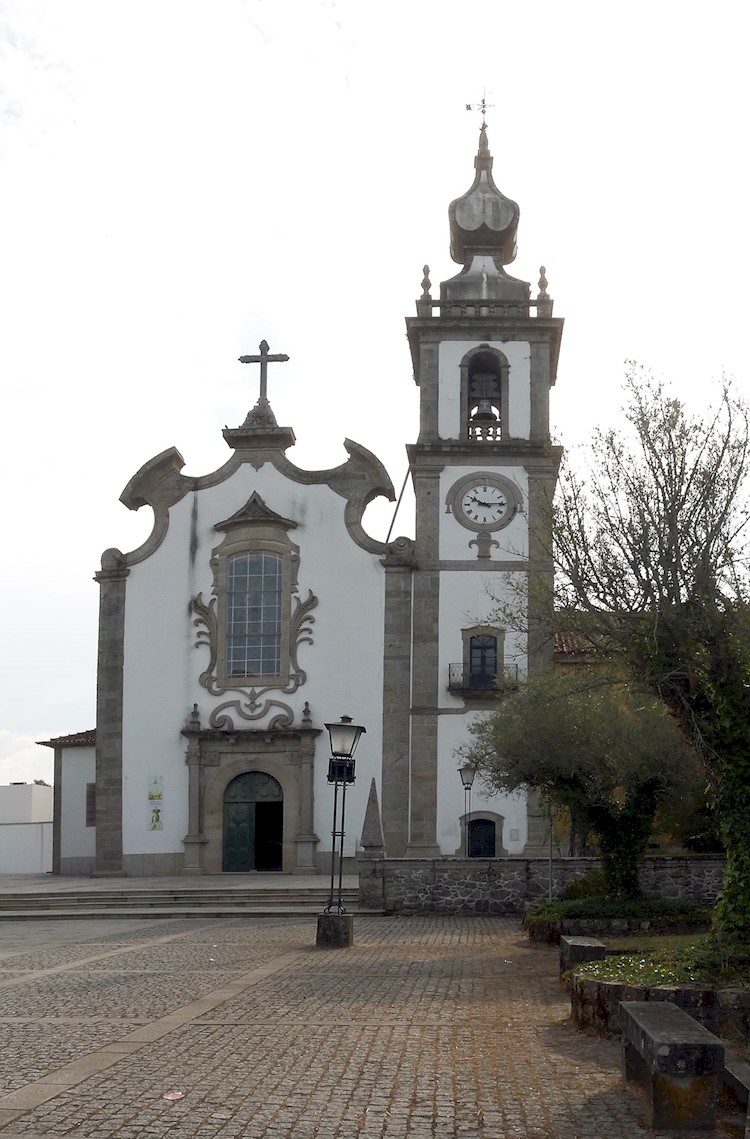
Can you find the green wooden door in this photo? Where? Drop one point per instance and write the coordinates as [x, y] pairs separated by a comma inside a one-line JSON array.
[[253, 823]]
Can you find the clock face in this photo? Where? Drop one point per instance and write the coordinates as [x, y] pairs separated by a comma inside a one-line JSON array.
[[484, 504], [484, 501]]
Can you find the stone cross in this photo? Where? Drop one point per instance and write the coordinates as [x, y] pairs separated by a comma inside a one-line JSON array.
[[264, 359]]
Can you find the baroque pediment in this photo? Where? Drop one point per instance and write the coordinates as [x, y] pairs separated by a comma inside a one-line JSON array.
[[255, 511]]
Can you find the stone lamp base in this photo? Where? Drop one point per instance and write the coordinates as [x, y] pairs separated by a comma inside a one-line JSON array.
[[335, 931]]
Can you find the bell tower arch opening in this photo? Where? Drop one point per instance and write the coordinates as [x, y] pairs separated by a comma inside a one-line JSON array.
[[484, 395]]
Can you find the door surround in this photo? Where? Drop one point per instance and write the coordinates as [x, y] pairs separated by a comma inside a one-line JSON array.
[[215, 758]]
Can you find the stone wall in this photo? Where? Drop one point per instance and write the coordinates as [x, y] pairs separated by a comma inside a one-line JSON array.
[[595, 1005], [502, 885]]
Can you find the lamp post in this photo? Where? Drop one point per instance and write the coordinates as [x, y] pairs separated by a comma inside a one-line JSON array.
[[335, 925], [467, 771]]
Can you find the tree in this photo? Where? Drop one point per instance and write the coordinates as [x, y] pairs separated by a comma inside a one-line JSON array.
[[594, 745], [651, 557]]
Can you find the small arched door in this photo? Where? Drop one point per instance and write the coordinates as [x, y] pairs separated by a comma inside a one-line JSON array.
[[481, 838], [253, 823]]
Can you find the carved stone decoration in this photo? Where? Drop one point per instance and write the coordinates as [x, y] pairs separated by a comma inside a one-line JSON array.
[[251, 708], [254, 528], [251, 702], [484, 543], [543, 301]]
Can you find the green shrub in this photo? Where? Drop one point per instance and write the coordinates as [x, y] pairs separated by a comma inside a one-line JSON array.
[[546, 921], [641, 909], [590, 885]]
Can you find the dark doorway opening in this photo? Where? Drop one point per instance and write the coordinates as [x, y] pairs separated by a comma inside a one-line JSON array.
[[481, 838], [253, 823]]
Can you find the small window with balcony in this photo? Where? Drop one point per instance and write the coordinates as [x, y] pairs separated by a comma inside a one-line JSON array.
[[483, 661]]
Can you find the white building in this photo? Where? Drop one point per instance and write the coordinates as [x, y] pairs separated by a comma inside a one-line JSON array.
[[259, 608], [25, 828]]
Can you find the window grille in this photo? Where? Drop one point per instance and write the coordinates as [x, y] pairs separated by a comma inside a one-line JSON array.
[[254, 595]]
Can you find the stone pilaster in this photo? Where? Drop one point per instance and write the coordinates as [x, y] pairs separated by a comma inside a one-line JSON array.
[[306, 841], [109, 709], [425, 648], [194, 841], [397, 694], [540, 633]]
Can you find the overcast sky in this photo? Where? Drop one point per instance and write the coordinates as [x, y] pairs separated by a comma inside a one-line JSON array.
[[183, 178]]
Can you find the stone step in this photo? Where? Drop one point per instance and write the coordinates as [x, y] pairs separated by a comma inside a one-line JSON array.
[[165, 895], [212, 911], [194, 901], [176, 901]]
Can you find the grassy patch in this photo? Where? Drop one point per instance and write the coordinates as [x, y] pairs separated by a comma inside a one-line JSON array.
[[699, 960]]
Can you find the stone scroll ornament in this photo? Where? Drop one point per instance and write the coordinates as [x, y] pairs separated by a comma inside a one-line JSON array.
[[252, 703]]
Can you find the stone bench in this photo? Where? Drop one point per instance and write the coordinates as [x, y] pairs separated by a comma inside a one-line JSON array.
[[574, 950], [678, 1060]]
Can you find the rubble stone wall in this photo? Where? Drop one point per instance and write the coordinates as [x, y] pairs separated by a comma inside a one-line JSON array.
[[503, 885]]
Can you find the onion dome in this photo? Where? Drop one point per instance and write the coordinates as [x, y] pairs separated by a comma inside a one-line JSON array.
[[483, 224]]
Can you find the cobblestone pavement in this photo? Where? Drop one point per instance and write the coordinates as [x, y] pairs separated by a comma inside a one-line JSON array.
[[427, 1028]]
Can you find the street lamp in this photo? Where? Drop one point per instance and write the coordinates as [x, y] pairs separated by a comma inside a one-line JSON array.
[[344, 737], [467, 771]]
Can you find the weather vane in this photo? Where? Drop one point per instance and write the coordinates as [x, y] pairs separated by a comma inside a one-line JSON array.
[[484, 106]]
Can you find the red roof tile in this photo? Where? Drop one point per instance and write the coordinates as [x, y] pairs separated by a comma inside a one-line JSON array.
[[76, 739]]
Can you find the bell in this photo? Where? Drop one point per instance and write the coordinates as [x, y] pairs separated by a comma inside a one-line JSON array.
[[485, 413]]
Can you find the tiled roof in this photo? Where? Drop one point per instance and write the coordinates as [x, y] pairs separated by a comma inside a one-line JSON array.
[[76, 739], [572, 644]]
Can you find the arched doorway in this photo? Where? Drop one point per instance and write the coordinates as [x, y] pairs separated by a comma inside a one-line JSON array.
[[253, 823]]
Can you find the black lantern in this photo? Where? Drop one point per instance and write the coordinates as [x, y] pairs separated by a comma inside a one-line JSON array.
[[467, 771], [344, 737]]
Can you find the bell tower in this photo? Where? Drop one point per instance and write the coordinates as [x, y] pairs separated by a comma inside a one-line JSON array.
[[483, 468]]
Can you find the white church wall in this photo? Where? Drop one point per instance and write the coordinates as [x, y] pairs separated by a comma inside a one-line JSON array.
[[158, 638], [344, 663], [453, 731], [512, 540], [518, 355], [467, 600], [78, 768]]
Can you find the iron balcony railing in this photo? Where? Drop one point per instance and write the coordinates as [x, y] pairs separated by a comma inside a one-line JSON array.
[[463, 679]]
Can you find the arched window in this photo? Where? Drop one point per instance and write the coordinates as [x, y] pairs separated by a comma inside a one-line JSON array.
[[254, 614]]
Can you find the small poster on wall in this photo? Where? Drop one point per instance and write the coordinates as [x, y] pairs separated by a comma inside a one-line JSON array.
[[156, 803]]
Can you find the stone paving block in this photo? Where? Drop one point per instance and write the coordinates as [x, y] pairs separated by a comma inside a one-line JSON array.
[[436, 1027]]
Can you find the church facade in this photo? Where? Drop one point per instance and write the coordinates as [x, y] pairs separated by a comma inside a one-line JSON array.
[[259, 609]]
